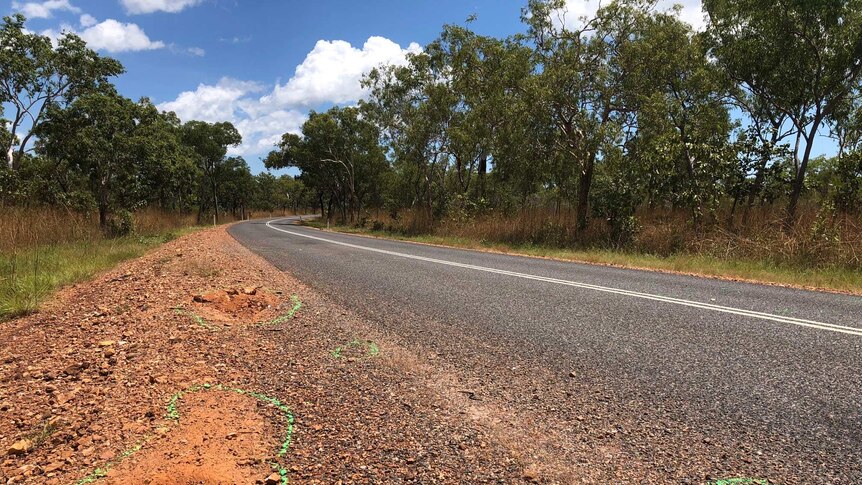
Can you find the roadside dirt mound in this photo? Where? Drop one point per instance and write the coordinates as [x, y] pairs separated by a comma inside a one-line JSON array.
[[88, 380], [221, 438], [237, 305]]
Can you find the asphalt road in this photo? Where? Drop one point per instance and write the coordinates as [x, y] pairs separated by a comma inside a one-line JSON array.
[[777, 368]]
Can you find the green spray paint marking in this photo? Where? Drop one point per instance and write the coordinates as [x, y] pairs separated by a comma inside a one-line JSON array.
[[740, 481], [297, 304], [102, 472], [372, 347], [194, 316], [174, 414]]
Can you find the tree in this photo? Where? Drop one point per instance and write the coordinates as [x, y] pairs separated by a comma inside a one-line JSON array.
[[580, 80], [35, 76], [802, 58], [483, 75], [237, 186], [683, 124], [97, 136], [209, 142], [413, 106], [338, 154], [169, 172]]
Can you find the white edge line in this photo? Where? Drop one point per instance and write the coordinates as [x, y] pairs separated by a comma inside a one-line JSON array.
[[619, 291]]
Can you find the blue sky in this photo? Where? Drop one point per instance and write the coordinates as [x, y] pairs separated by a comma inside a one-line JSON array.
[[263, 64], [238, 60]]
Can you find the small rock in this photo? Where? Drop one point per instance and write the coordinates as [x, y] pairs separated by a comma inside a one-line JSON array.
[[74, 369], [106, 343], [530, 474], [273, 479], [21, 447], [573, 374], [158, 380], [212, 297]]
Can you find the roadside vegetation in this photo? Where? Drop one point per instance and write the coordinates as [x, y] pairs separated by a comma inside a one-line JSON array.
[[92, 178], [626, 137], [766, 269], [45, 249]]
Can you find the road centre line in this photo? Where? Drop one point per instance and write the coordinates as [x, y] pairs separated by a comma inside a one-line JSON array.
[[648, 296]]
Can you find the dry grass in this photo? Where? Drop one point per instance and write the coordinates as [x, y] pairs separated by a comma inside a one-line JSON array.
[[823, 250], [24, 228], [42, 249]]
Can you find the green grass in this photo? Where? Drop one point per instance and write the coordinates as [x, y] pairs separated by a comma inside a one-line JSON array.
[[30, 276], [828, 278]]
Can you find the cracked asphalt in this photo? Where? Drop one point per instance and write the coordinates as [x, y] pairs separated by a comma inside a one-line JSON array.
[[696, 392]]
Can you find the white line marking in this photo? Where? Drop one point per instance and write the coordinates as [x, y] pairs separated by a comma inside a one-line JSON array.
[[648, 296]]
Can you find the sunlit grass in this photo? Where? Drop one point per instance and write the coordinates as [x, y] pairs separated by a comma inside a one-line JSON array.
[[29, 276]]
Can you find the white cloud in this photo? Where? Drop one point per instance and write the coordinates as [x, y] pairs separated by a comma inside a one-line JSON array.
[[150, 6], [261, 134], [691, 11], [332, 70], [196, 51], [219, 102], [113, 36], [329, 74], [43, 10], [88, 20], [233, 100]]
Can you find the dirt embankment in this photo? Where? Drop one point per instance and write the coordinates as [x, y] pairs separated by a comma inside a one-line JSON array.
[[201, 363]]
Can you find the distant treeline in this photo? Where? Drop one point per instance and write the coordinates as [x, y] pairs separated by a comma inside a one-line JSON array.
[[70, 140], [625, 113]]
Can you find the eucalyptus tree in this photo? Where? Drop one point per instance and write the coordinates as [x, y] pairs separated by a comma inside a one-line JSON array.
[[581, 82], [412, 106], [338, 155], [97, 135], [169, 173], [209, 143], [237, 186], [36, 76], [682, 143], [483, 74], [801, 58]]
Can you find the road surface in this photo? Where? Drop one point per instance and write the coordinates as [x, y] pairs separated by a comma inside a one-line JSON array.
[[763, 380]]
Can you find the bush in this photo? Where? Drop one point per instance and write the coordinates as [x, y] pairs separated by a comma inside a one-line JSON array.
[[121, 224]]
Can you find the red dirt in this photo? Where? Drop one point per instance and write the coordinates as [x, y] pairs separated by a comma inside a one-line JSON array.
[[221, 438], [91, 374], [238, 305]]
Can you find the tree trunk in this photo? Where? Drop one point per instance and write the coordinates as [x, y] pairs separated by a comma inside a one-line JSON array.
[[584, 184], [103, 204], [799, 181], [483, 168], [215, 200]]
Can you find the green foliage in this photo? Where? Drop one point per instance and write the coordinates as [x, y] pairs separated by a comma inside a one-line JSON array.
[[804, 60], [36, 75], [122, 224], [339, 157], [28, 277]]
